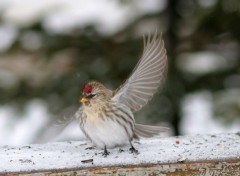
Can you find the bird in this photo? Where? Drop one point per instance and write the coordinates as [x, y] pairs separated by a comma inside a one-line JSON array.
[[106, 116]]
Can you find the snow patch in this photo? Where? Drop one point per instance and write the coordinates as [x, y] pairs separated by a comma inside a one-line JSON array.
[[61, 155]]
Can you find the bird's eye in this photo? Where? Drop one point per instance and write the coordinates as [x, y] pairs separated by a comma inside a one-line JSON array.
[[90, 96]]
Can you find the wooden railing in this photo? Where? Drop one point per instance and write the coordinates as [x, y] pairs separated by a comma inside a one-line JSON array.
[[203, 155]]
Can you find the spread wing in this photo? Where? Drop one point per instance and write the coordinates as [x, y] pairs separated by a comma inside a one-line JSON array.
[[148, 75]]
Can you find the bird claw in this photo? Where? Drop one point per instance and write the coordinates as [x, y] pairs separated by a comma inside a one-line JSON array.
[[105, 153], [133, 150]]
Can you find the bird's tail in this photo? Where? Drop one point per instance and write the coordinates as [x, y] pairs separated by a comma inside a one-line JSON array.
[[147, 131]]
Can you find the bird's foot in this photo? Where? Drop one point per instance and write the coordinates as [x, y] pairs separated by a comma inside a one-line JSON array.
[[105, 152], [133, 150]]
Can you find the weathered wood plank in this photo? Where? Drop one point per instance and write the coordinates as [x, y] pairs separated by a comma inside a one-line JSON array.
[[186, 155], [206, 168]]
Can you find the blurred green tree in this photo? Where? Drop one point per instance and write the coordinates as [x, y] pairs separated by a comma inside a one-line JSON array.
[[56, 66]]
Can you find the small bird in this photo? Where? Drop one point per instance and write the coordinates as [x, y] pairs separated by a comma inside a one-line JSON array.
[[106, 116]]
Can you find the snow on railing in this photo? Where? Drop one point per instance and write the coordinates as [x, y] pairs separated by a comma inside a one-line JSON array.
[[213, 155]]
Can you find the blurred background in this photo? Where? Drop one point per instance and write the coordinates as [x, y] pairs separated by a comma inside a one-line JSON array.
[[50, 48]]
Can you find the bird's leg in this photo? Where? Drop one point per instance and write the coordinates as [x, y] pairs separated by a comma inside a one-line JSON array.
[[133, 150], [105, 152]]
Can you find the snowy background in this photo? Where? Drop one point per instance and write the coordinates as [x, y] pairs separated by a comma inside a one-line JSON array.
[[34, 122]]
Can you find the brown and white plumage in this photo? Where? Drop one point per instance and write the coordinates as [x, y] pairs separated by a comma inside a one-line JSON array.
[[147, 76], [106, 117]]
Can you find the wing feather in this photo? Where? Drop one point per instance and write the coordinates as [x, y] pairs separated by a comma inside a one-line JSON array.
[[147, 76]]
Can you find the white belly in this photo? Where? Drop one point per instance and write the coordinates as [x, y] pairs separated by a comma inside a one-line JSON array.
[[109, 132], [105, 132]]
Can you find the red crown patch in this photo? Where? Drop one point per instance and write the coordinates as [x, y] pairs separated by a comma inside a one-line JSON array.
[[87, 88]]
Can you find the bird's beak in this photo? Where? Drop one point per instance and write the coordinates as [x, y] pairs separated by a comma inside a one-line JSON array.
[[83, 100]]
